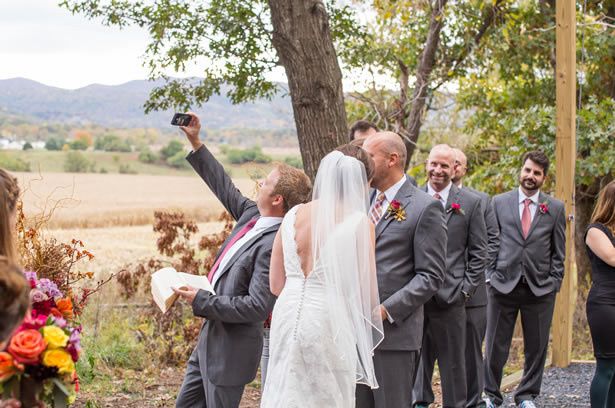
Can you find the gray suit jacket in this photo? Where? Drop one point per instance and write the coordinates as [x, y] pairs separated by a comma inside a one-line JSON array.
[[231, 340], [466, 252], [540, 257], [410, 261], [493, 245]]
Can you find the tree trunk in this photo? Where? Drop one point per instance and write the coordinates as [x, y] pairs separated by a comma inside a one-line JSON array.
[[421, 87], [303, 42]]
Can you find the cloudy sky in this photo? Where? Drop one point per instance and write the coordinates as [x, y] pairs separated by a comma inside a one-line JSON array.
[[43, 42]]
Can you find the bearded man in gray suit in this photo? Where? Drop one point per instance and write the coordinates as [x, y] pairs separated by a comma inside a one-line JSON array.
[[230, 343], [476, 306], [410, 262], [444, 335], [527, 274]]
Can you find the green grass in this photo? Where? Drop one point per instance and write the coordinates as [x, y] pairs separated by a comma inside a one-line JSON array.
[[53, 162]]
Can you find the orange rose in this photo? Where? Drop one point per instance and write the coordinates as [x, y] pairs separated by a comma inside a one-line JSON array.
[[26, 346], [8, 366], [54, 311], [65, 306]]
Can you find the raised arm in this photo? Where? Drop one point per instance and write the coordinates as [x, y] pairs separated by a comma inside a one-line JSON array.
[[212, 172]]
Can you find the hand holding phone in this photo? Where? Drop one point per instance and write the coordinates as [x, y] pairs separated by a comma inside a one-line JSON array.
[[191, 129]]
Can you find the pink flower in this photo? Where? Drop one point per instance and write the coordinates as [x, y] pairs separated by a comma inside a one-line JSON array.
[[395, 205], [37, 296], [543, 207]]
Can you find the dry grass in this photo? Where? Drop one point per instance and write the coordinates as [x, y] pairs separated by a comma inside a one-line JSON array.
[[108, 200]]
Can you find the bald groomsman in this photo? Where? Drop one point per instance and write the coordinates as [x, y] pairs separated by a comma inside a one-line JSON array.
[[444, 334], [525, 277], [476, 306]]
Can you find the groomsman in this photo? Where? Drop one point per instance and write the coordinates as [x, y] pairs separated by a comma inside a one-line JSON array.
[[444, 336], [525, 277], [361, 130], [229, 347], [476, 306], [410, 261]]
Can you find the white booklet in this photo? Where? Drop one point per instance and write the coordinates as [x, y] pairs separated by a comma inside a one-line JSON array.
[[165, 279]]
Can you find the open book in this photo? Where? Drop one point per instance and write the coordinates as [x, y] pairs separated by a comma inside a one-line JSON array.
[[167, 278]]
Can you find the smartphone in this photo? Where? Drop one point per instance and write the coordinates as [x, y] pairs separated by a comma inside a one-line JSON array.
[[181, 119]]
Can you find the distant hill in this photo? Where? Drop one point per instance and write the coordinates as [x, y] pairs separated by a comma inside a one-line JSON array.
[[121, 106]]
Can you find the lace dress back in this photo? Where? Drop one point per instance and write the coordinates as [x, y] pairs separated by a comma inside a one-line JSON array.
[[309, 363]]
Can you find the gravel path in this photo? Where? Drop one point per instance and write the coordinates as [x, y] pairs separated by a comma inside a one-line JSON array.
[[563, 387]]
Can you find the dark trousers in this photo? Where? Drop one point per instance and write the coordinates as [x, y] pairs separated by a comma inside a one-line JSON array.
[[395, 372], [444, 340], [198, 392], [536, 315], [476, 325]]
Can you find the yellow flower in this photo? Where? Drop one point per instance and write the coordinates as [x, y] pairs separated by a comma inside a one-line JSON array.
[[60, 359], [55, 337]]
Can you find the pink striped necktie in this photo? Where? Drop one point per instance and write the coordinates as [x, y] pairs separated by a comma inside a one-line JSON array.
[[375, 213], [526, 217], [236, 238]]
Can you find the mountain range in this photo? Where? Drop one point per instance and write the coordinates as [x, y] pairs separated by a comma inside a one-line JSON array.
[[121, 106]]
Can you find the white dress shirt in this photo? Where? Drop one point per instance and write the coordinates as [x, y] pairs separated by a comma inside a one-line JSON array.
[[389, 195], [261, 224], [443, 194], [533, 204]]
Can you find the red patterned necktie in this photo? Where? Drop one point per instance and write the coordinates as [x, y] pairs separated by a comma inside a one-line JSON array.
[[526, 218], [375, 213], [437, 196], [236, 238]]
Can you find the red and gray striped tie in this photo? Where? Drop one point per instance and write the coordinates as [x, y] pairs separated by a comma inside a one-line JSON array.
[[375, 213]]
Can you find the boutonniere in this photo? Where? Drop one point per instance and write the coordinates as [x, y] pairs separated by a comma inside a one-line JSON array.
[[396, 211], [456, 208], [543, 207]]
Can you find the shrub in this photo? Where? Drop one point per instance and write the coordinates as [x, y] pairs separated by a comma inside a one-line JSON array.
[[27, 146], [14, 163], [253, 154], [126, 169], [78, 144], [171, 149], [54, 143], [178, 161], [294, 161], [76, 162], [147, 156], [112, 143]]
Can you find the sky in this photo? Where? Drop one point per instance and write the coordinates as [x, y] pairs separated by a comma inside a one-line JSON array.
[[41, 41]]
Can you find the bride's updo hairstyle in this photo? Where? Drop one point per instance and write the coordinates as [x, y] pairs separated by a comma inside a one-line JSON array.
[[14, 298], [361, 155]]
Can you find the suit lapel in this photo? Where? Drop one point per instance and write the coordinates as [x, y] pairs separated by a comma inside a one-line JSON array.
[[404, 196], [239, 252], [539, 215], [453, 197], [514, 208]]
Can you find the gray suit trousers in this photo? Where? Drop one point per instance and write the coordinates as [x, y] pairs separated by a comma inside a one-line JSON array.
[[444, 339], [395, 371], [198, 392], [476, 325], [536, 316]]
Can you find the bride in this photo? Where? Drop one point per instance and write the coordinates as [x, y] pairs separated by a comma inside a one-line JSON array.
[[326, 322]]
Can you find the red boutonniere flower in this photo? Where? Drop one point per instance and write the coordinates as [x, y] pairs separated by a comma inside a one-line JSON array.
[[456, 208], [543, 208], [396, 211]]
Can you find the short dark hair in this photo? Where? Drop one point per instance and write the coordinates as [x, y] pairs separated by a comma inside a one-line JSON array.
[[537, 157], [361, 126], [361, 155]]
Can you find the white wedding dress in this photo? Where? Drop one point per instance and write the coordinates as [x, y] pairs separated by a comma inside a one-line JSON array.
[[307, 367], [326, 325]]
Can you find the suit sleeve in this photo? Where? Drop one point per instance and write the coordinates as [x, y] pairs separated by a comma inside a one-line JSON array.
[[496, 249], [559, 248], [213, 174], [253, 307], [429, 246], [476, 249], [493, 235]]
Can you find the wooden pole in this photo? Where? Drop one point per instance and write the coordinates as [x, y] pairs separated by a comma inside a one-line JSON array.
[[565, 156]]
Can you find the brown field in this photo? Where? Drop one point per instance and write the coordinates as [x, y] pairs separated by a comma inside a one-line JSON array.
[[108, 200]]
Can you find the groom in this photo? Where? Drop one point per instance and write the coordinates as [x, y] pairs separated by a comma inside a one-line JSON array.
[[410, 261], [229, 347]]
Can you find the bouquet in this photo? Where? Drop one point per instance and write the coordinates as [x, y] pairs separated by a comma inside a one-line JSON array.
[[39, 361]]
